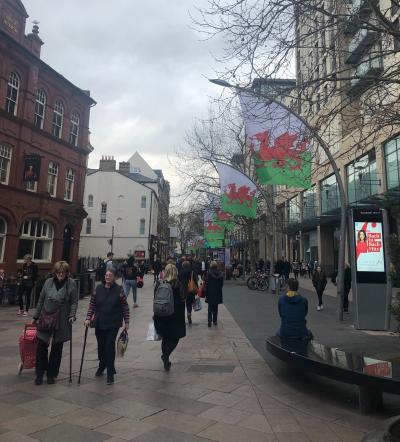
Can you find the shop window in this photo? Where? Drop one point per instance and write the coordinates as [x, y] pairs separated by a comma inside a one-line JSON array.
[[142, 229], [143, 202], [52, 177], [12, 93], [88, 226], [5, 161], [74, 128], [58, 116], [392, 163], [40, 108], [103, 213], [69, 185], [329, 194], [90, 201], [3, 233], [362, 180], [36, 238]]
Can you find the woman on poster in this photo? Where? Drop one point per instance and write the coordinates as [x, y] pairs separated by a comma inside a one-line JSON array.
[[362, 243]]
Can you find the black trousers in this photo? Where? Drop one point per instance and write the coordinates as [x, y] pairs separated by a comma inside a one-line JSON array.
[[27, 292], [189, 303], [106, 349], [168, 346], [346, 298], [296, 274], [319, 294], [213, 313], [44, 363]]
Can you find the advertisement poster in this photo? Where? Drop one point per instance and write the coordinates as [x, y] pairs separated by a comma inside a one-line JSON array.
[[369, 246], [227, 257], [221, 255]]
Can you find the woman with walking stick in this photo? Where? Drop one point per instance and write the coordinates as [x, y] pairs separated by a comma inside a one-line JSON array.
[[54, 316], [108, 306]]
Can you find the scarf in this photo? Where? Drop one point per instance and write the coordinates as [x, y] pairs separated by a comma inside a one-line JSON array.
[[291, 293]]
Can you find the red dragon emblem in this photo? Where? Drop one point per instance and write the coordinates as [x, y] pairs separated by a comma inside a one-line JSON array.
[[243, 194], [286, 150], [223, 216], [215, 228]]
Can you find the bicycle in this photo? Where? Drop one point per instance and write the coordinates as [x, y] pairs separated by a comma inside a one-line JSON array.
[[258, 281]]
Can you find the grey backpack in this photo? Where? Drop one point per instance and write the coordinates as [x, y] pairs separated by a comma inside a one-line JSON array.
[[163, 304]]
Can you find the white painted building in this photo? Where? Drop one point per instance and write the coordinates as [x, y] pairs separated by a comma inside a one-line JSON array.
[[122, 205]]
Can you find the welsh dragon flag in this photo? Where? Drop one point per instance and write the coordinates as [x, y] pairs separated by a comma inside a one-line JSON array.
[[278, 141], [238, 192], [212, 230]]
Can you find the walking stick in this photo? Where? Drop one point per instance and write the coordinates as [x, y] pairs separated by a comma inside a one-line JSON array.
[[83, 354], [70, 355]]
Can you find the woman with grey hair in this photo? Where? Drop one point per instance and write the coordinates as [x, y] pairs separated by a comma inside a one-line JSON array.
[[55, 313]]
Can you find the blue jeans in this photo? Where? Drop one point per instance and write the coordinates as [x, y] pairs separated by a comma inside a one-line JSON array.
[[128, 284]]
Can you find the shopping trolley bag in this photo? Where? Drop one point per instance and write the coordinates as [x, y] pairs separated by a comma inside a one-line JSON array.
[[27, 347]]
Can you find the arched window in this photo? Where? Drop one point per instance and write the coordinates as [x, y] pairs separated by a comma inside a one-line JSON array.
[[103, 213], [142, 230], [74, 128], [52, 177], [36, 238], [90, 201], [5, 161], [3, 233], [143, 202], [58, 115], [40, 108], [12, 93], [88, 226]]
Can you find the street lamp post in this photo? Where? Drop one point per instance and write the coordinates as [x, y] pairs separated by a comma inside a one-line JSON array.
[[343, 198]]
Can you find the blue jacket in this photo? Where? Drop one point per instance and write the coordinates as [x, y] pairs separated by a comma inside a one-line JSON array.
[[293, 311]]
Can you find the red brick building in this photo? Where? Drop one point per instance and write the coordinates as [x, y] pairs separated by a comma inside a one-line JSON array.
[[44, 147]]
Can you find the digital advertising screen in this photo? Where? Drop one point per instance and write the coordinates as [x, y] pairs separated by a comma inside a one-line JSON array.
[[369, 247]]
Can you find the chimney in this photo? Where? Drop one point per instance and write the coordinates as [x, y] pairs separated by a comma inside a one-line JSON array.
[[34, 41], [107, 164], [124, 167]]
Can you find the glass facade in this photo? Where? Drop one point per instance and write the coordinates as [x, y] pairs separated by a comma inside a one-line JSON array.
[[294, 210], [310, 203], [392, 163], [329, 195], [362, 179]]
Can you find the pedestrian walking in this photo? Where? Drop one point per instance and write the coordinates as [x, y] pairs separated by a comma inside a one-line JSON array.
[[296, 269], [2, 284], [347, 287], [129, 276], [107, 308], [286, 269], [104, 266], [157, 267], [29, 276], [185, 276], [54, 315], [293, 309], [214, 282], [171, 328], [319, 282]]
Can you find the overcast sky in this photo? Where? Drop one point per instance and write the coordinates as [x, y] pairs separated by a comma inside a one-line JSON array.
[[143, 64]]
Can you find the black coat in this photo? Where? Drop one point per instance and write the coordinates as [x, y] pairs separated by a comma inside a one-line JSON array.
[[319, 281], [214, 283], [173, 327]]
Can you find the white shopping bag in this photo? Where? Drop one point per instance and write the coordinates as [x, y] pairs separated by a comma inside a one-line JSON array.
[[152, 334]]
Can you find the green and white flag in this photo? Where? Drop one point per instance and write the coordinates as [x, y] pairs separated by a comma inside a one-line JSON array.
[[238, 192], [212, 230], [278, 141]]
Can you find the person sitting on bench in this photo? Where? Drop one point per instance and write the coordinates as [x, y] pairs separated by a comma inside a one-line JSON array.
[[293, 309]]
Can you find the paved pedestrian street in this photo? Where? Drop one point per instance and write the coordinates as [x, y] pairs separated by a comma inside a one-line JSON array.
[[219, 388]]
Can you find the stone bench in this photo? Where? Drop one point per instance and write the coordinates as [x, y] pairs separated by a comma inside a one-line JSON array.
[[372, 376]]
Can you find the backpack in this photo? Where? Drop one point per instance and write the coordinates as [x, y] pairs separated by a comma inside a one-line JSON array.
[[163, 303]]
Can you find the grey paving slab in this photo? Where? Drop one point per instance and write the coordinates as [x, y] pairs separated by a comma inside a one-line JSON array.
[[202, 368], [31, 423], [66, 433], [48, 407], [230, 433], [130, 409], [17, 397], [167, 435], [125, 428], [13, 436]]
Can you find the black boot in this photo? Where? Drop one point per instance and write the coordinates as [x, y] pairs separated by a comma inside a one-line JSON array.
[[110, 379]]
